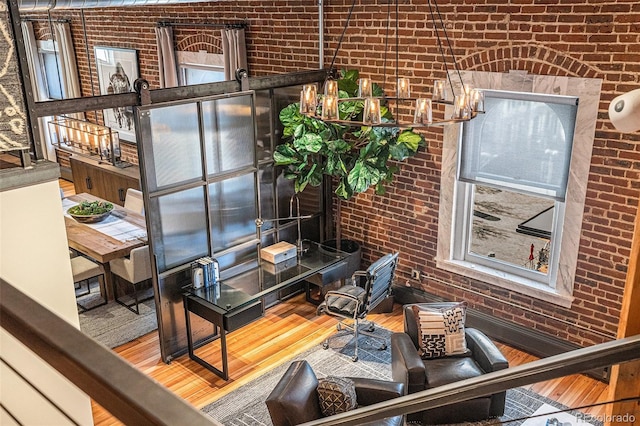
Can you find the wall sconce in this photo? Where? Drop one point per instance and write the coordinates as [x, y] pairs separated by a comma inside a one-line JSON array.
[[86, 138]]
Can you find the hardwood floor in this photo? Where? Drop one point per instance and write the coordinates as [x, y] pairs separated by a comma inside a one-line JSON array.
[[286, 330]]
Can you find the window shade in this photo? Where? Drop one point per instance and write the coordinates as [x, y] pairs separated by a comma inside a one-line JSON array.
[[523, 141]]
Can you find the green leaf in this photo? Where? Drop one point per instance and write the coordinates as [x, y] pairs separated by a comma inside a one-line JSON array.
[[309, 142], [399, 152], [410, 139], [362, 176], [343, 190], [290, 115], [285, 155]]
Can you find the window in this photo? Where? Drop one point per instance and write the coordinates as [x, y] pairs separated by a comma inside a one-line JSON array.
[[200, 67], [514, 184], [51, 70], [514, 164], [199, 75]]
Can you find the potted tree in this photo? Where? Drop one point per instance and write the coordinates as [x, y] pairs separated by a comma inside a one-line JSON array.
[[356, 157]]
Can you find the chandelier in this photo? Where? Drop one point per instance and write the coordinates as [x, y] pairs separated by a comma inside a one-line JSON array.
[[327, 106]]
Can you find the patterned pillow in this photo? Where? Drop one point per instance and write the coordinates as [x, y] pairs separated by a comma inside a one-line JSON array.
[[441, 331], [337, 395]]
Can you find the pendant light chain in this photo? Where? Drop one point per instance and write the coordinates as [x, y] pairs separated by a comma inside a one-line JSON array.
[[344, 30]]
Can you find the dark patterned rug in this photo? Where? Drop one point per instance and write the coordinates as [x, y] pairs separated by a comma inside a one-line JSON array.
[[245, 405]]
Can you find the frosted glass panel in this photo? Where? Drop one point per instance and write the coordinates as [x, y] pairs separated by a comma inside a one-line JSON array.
[[523, 142], [233, 211], [183, 227], [229, 133], [176, 145]]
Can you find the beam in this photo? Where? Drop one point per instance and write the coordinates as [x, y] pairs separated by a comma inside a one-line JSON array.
[[625, 378]]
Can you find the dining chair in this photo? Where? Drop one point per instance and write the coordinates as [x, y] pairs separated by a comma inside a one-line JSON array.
[[83, 270], [133, 201], [135, 270]]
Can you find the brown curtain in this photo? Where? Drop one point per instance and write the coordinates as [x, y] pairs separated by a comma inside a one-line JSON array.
[[166, 57], [234, 49]]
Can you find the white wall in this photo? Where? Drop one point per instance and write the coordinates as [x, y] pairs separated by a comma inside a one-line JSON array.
[[34, 258]]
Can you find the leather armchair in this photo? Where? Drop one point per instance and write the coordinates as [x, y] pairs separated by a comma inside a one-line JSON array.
[[295, 399], [419, 374]]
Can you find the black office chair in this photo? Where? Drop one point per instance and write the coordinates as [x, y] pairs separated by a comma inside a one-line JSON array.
[[352, 302]]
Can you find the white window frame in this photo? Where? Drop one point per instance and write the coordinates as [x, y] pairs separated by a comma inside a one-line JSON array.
[[568, 216], [198, 60]]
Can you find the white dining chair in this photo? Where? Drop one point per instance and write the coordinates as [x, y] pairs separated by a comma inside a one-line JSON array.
[[135, 270], [133, 201], [83, 271]]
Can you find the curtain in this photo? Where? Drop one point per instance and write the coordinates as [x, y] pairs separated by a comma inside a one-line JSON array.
[[67, 60], [234, 49], [166, 57], [33, 59], [38, 85]]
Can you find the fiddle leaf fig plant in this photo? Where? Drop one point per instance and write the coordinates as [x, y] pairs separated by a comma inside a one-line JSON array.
[[358, 156]]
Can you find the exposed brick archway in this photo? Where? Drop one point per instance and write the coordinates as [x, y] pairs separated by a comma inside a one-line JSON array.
[[200, 42], [534, 58]]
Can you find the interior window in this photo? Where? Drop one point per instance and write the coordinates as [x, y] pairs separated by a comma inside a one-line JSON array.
[[50, 71], [200, 75]]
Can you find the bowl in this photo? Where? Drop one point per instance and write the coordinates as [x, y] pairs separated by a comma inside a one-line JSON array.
[[90, 212]]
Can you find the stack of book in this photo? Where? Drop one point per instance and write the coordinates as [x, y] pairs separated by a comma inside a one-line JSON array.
[[210, 271]]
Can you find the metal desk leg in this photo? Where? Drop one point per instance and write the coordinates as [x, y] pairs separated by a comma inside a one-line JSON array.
[[224, 373]]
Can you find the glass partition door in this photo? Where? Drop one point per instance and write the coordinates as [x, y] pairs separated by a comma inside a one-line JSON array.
[[200, 169]]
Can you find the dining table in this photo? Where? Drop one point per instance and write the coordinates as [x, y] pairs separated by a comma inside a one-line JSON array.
[[112, 238]]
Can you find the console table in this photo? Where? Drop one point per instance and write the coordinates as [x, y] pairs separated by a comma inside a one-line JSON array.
[[238, 300]]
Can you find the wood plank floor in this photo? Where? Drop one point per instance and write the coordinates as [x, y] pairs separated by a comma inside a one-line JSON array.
[[286, 330]]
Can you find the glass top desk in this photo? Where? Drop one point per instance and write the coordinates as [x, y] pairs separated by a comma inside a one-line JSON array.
[[238, 300]]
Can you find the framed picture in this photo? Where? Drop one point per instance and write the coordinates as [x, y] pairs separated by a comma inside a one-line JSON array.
[[117, 70]]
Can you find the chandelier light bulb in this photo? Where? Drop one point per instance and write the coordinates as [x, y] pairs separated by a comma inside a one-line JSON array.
[[330, 107], [372, 111], [438, 90], [423, 113], [331, 88], [364, 88], [308, 99], [403, 88]]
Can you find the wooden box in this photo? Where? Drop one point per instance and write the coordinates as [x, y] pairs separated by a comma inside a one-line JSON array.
[[278, 252]]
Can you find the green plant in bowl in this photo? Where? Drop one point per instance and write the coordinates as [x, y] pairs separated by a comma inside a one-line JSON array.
[[90, 211]]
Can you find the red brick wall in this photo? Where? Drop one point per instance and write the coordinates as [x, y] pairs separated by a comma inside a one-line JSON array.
[[554, 37]]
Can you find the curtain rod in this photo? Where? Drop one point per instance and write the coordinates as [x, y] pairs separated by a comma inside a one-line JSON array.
[[63, 20], [204, 24]]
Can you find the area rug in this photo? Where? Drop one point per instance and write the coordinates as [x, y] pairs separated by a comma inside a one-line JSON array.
[[246, 406], [114, 325]]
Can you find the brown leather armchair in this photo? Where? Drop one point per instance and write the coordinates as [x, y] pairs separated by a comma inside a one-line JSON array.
[[419, 374], [295, 399]]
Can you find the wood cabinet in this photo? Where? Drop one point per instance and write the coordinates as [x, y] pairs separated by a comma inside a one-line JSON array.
[[103, 180]]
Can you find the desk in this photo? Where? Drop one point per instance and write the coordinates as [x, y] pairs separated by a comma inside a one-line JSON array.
[[238, 300], [100, 246]]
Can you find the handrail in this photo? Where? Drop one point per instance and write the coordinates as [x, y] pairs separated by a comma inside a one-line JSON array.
[[116, 385], [576, 361]]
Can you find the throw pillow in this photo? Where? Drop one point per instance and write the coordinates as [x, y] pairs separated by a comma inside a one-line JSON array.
[[337, 395], [441, 331]]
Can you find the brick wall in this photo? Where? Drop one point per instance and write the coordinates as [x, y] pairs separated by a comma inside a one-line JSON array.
[[568, 38]]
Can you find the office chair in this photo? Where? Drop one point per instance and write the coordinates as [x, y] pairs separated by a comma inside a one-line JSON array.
[[352, 302]]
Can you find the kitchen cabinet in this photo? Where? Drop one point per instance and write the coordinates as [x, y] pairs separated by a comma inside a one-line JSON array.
[[103, 180]]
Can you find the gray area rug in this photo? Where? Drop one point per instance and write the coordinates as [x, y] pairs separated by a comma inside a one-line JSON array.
[[113, 324], [246, 406]]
